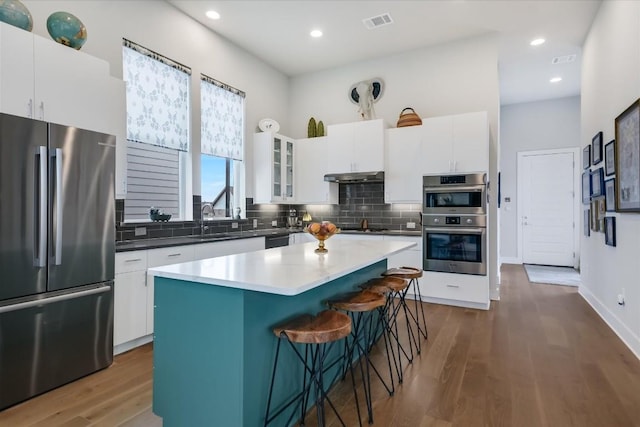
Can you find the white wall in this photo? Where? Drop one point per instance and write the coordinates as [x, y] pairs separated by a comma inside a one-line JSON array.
[[447, 79], [530, 126], [160, 27], [610, 83]]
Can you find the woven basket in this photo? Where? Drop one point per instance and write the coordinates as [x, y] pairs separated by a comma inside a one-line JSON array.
[[408, 118]]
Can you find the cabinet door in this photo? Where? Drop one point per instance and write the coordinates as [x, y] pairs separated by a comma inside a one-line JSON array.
[[368, 146], [312, 158], [403, 169], [130, 306], [471, 142], [16, 71], [341, 151], [69, 85], [437, 145], [288, 169], [277, 148]]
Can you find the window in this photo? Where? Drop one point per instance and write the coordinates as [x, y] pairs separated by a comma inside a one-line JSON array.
[[222, 149], [157, 131]]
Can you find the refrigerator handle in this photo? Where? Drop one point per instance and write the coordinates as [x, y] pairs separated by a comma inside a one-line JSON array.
[[58, 203], [40, 240]]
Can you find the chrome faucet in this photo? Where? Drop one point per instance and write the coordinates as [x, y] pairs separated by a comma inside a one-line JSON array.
[[205, 206]]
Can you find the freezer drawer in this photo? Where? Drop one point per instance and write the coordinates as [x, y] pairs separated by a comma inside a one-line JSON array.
[[49, 342]]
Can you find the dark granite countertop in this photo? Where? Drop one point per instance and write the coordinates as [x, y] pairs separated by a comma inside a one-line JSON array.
[[137, 245]]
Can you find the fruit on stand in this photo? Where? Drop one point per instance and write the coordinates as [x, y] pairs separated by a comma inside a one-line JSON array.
[[321, 231]]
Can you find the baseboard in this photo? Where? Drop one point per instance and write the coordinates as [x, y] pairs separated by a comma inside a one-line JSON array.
[[510, 260], [456, 303], [627, 336], [130, 345]]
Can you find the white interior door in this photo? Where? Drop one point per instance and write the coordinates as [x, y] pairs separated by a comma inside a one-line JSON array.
[[546, 191]]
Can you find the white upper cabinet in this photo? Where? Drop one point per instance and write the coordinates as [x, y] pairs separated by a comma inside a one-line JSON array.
[[44, 80], [447, 144], [312, 159], [471, 142], [16, 71], [356, 147], [458, 143], [403, 165], [274, 168]]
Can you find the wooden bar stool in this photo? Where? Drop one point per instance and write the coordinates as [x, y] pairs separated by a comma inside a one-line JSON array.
[[391, 287], [412, 274], [317, 333], [361, 306]]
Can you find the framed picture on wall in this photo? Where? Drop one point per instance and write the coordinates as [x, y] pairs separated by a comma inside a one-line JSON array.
[[596, 148], [610, 231], [597, 183], [627, 148], [610, 158], [586, 157], [610, 194], [594, 216], [586, 222], [586, 187]]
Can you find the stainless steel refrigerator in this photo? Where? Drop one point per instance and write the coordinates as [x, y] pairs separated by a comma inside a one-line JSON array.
[[57, 250]]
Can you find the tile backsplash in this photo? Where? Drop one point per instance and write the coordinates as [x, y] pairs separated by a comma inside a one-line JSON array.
[[357, 201]]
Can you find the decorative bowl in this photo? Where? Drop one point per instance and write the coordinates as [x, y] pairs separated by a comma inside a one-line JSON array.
[[67, 29], [321, 231], [15, 13]]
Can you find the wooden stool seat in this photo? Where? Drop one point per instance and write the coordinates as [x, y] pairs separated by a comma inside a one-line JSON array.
[[383, 285], [404, 272], [326, 326], [358, 301]]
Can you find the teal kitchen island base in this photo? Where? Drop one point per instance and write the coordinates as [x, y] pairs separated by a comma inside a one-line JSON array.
[[213, 343]]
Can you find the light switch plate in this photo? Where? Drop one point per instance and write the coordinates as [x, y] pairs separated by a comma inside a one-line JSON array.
[[411, 225], [255, 223], [140, 231], [234, 225], [274, 223]]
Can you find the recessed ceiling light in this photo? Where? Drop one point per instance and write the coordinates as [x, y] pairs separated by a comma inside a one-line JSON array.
[[316, 33], [555, 79], [537, 42], [212, 14]]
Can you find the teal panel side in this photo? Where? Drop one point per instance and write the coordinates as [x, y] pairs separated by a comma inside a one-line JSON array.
[[263, 311], [198, 354]]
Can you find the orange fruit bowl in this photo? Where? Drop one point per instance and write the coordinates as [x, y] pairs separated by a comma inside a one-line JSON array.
[[321, 231]]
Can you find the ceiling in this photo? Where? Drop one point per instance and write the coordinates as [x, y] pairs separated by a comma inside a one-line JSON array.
[[278, 33]]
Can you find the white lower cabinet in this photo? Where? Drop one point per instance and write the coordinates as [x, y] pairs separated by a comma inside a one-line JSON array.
[[133, 288], [130, 297]]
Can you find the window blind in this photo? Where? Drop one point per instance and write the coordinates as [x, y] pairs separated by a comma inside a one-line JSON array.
[[152, 180], [222, 123], [157, 92]]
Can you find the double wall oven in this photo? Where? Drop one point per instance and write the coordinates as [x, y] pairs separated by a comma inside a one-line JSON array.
[[454, 223]]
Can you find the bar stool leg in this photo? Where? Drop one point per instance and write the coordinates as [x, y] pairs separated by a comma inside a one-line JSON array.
[[418, 301]]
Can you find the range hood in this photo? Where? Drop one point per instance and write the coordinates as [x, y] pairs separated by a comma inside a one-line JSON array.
[[355, 177]]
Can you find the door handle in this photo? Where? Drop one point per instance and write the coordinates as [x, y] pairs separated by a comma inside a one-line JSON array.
[[58, 204], [40, 195]]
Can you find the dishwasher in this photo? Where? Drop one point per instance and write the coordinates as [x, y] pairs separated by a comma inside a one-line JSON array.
[[275, 241]]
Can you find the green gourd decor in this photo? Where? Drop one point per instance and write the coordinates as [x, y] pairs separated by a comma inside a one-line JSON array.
[[320, 129], [311, 128]]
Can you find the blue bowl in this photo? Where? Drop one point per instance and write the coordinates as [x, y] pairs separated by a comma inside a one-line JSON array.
[[67, 29]]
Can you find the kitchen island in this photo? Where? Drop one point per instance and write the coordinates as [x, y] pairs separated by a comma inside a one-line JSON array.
[[213, 345]]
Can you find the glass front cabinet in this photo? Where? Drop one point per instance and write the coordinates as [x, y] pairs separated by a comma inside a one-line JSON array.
[[273, 168]]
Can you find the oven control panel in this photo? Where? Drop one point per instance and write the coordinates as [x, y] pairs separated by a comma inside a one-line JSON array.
[[454, 220]]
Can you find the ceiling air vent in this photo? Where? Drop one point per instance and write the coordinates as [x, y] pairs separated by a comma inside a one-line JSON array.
[[563, 59], [377, 21]]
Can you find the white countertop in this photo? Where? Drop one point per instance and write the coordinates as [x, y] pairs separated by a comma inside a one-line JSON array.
[[288, 270]]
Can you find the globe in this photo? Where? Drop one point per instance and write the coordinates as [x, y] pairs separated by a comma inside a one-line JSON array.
[[67, 29], [15, 13]]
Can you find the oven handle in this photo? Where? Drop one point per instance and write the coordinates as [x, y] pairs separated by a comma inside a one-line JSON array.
[[445, 189], [457, 230]]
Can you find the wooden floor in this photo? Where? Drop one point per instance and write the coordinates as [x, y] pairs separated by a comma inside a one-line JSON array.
[[539, 357]]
